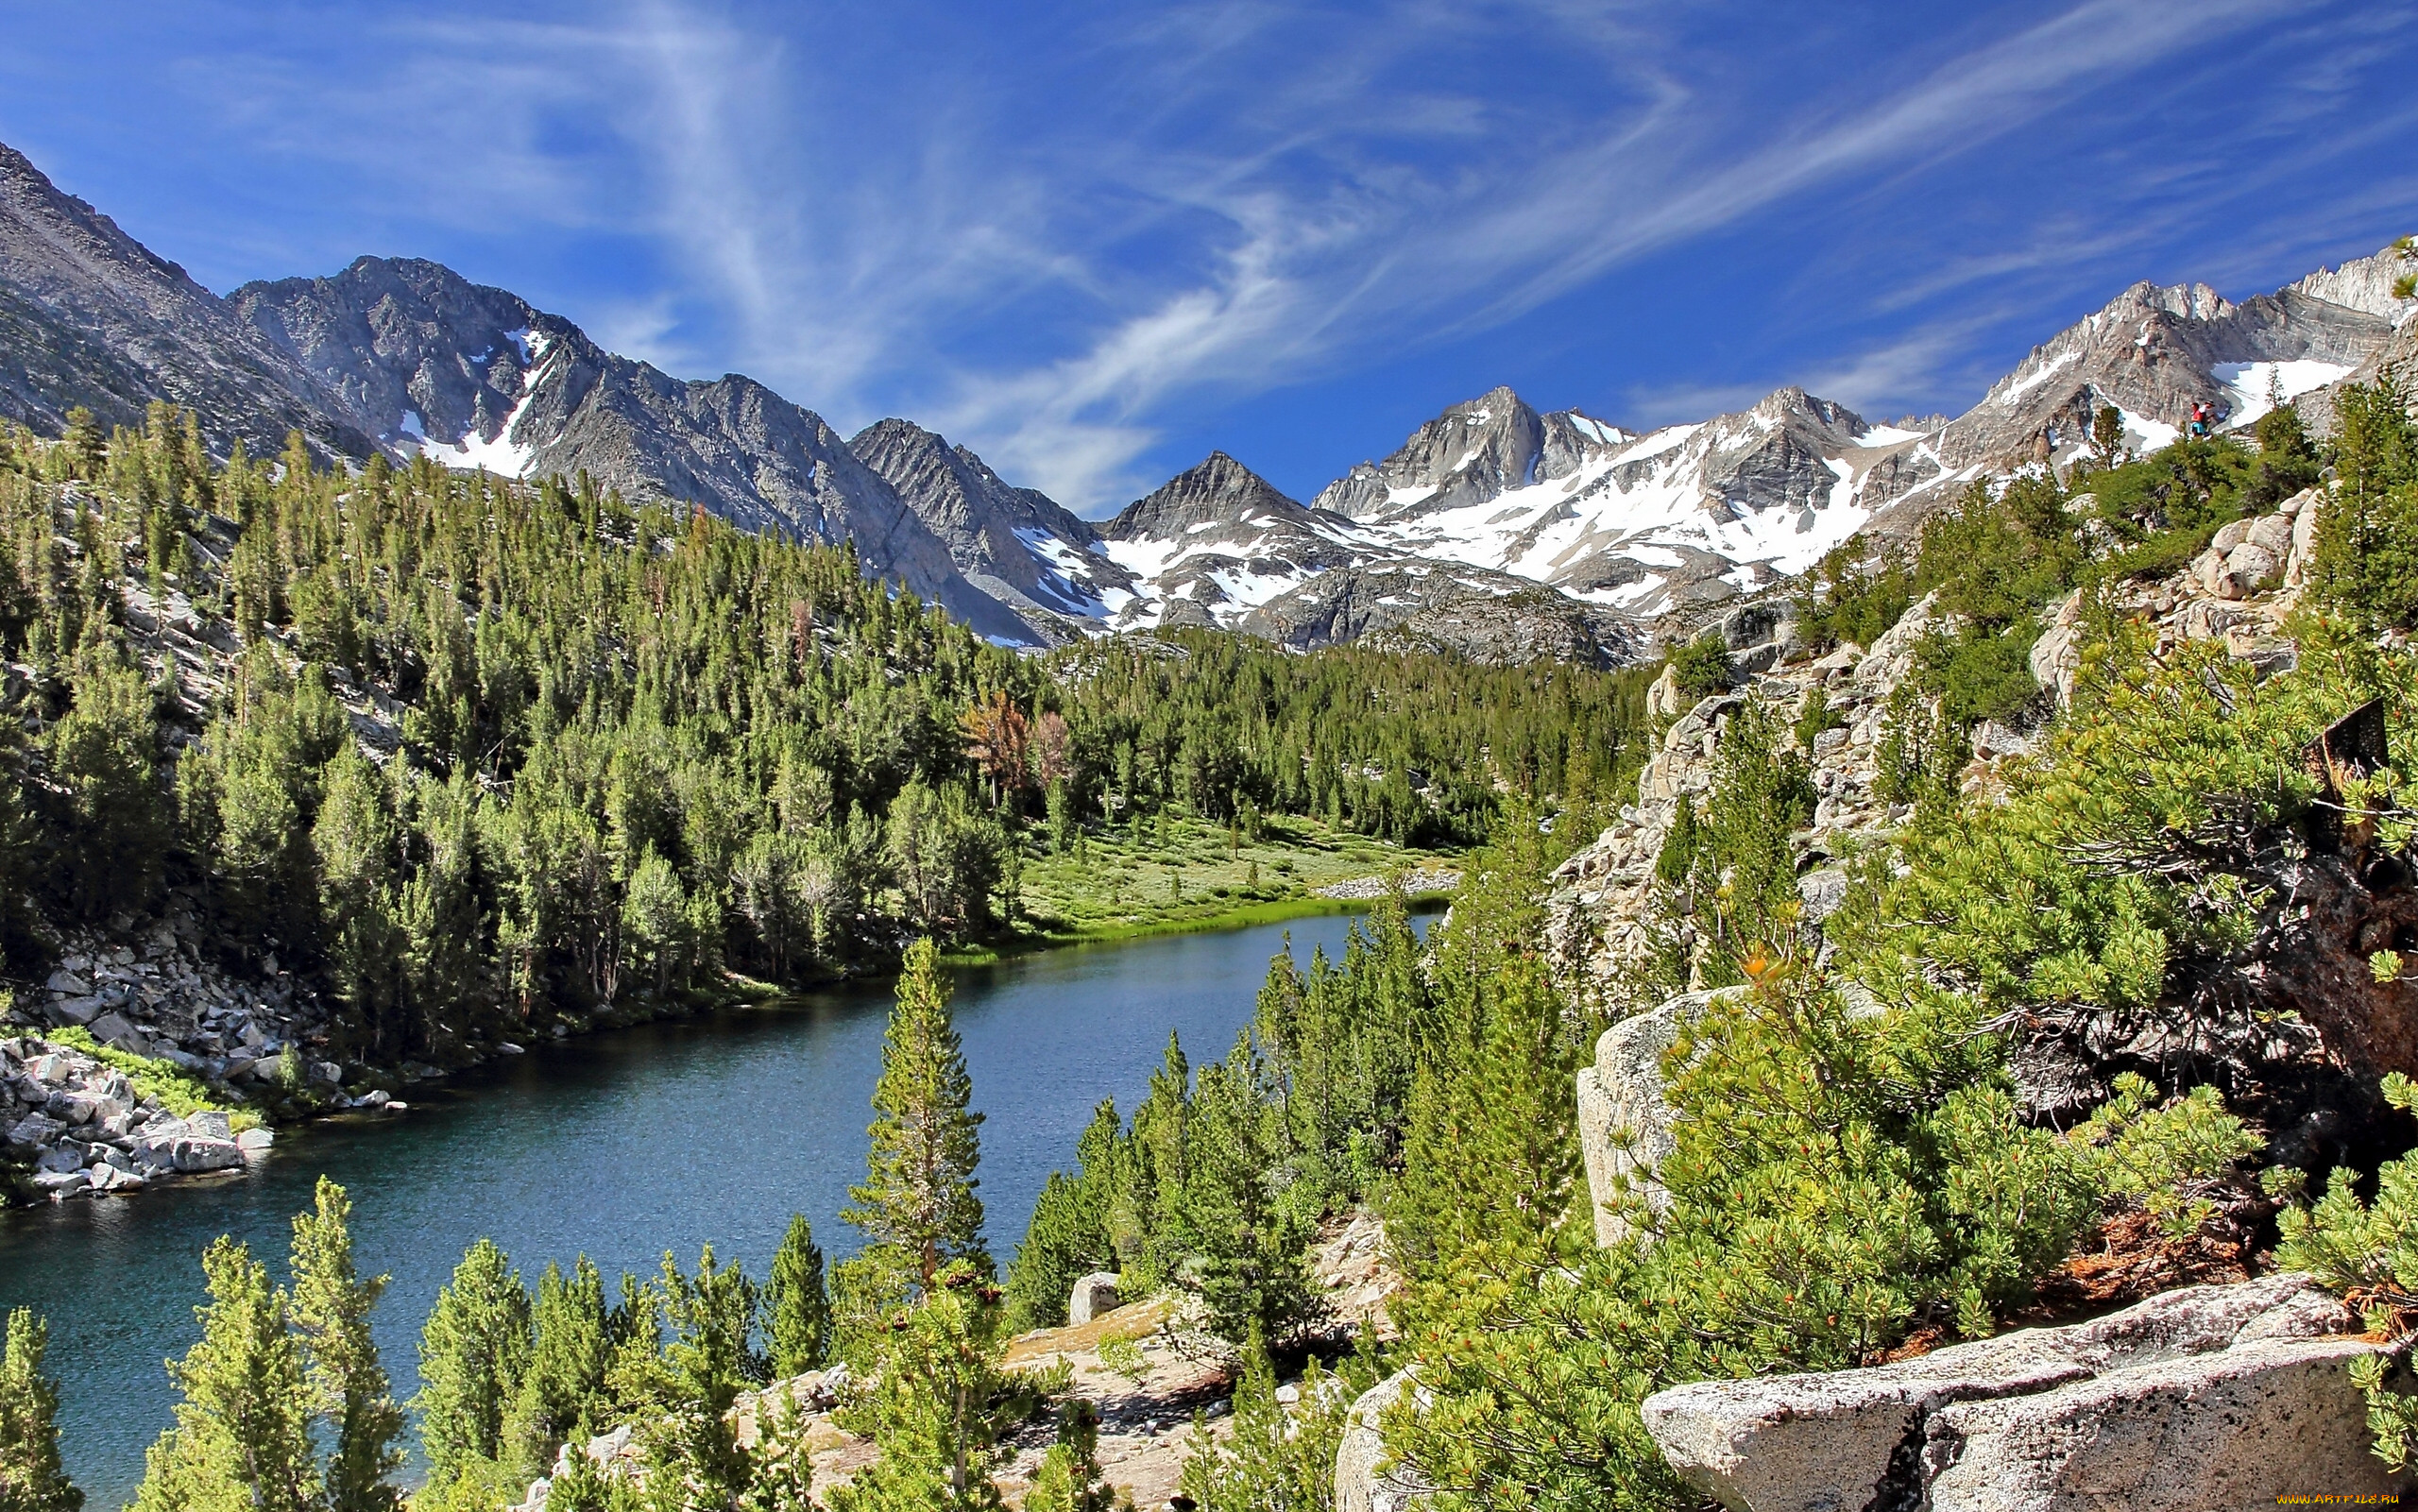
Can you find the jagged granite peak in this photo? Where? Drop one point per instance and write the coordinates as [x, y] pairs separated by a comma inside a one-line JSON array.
[[1219, 545], [1016, 544], [2367, 283], [91, 316], [413, 349], [1472, 451], [476, 377], [2153, 352], [1216, 492]]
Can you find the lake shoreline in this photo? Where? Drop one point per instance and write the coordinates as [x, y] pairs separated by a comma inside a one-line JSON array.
[[711, 1127], [738, 993]]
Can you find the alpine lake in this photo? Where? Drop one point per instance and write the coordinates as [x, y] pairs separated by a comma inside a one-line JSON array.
[[620, 1146]]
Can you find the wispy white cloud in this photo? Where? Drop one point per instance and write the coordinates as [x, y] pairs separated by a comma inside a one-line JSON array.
[[1056, 259], [1879, 382]]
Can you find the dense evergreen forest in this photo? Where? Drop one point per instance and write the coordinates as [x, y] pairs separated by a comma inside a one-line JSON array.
[[1853, 1171], [482, 753]]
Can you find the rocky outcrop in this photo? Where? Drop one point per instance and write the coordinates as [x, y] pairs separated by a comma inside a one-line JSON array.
[[1365, 1481], [1492, 619], [2206, 1397], [83, 1129], [1624, 1123], [1601, 929], [153, 992]]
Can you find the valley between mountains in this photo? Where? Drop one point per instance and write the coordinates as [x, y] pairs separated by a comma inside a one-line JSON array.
[[1924, 1017]]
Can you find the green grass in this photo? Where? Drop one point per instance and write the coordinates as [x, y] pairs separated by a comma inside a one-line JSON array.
[[180, 1093], [1126, 882]]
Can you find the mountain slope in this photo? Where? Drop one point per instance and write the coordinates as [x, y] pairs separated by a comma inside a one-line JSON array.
[[1015, 544], [1220, 545], [89, 316], [1652, 522], [472, 376]]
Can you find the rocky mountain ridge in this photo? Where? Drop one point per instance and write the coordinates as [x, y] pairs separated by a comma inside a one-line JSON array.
[[1494, 529], [1687, 514], [432, 364]]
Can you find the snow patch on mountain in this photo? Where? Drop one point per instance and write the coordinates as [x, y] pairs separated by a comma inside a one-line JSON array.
[[2251, 387]]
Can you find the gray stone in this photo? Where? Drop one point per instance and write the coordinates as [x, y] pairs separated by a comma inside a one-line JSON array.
[[1624, 1125], [51, 1070], [1755, 661], [67, 984], [1836, 1441], [2230, 535], [210, 1124], [61, 1185], [52, 1161], [180, 1151], [2248, 569], [113, 1029], [77, 1010], [1822, 892], [1094, 1296], [2272, 533], [255, 1142], [2242, 1427], [35, 1128], [1360, 1484]]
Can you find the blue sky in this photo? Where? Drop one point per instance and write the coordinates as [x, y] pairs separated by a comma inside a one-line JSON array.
[[1097, 241]]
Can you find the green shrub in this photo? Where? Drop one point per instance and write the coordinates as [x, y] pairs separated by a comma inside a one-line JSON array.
[[2368, 1251], [179, 1092], [1839, 1179], [1701, 666]]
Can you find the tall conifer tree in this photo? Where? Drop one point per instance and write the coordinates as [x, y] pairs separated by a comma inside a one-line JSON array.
[[242, 1440], [797, 1308], [918, 1192], [348, 1382], [31, 1477], [472, 1354]]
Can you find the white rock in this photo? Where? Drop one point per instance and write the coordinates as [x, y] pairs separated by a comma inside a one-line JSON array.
[[1826, 1442], [2248, 567], [2230, 535], [255, 1142], [1094, 1296], [2243, 1427], [1621, 1103], [1359, 1485], [2272, 533]]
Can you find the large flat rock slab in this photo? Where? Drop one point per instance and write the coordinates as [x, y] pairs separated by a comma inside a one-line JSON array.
[[2042, 1407]]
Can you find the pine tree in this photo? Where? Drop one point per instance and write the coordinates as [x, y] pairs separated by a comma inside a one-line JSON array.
[[939, 1406], [796, 1306], [1246, 1246], [686, 1432], [330, 1311], [104, 753], [1272, 1458], [1069, 1477], [472, 1355], [31, 1477], [567, 1364], [242, 1440], [918, 1193], [2107, 434]]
